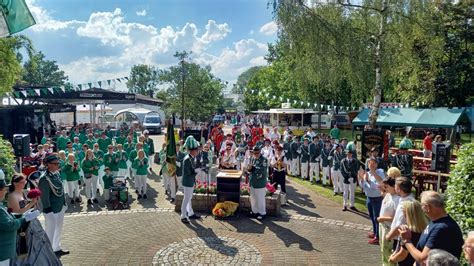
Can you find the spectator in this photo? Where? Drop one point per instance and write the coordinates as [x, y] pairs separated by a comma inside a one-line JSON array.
[[391, 139], [427, 144], [443, 232], [439, 257], [9, 226], [416, 223], [403, 188], [469, 248], [387, 212], [17, 200], [370, 183], [335, 133]]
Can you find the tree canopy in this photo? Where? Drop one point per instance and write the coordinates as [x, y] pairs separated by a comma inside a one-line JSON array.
[[202, 91], [143, 80], [38, 71]]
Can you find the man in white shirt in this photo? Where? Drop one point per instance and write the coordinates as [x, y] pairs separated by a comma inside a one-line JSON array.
[[403, 188], [275, 135]]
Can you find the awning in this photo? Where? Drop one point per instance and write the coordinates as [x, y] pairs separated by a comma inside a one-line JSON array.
[[431, 118], [285, 111]]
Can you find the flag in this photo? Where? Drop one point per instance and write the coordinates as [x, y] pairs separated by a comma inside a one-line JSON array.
[[100, 84], [51, 90], [37, 91], [108, 82], [89, 84], [170, 149], [14, 17]]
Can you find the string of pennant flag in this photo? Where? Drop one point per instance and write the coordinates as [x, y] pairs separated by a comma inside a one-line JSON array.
[[33, 92], [317, 106]]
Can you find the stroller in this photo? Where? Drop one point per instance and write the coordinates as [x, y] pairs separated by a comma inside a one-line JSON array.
[[119, 194]]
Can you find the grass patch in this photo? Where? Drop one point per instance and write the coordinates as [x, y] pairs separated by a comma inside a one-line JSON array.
[[327, 192]]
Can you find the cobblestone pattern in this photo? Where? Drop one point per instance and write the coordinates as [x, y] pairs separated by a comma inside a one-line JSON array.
[[135, 237], [209, 251]]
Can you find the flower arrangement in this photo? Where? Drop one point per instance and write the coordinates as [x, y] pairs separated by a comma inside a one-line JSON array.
[[205, 188], [244, 189], [270, 189], [34, 193]]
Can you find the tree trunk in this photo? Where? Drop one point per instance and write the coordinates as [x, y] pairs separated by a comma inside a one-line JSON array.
[[377, 92]]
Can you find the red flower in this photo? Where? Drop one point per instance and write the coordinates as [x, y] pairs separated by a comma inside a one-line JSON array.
[[34, 193]]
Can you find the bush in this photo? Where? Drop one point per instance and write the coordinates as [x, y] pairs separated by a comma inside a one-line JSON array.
[[460, 191], [7, 158]]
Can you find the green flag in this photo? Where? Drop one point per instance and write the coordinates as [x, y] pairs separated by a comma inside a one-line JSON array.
[[14, 17], [170, 149]]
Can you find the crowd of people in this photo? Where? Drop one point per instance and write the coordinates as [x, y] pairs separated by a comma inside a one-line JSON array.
[[92, 160]]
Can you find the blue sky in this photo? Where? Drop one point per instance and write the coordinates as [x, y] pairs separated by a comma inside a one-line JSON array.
[[96, 40]]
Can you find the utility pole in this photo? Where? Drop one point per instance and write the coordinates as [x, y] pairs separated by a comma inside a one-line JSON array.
[[182, 56]]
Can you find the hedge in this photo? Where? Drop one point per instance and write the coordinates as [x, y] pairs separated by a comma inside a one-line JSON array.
[[7, 158]]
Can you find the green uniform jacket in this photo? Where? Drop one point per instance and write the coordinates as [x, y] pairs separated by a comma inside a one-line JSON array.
[[99, 155], [104, 144], [259, 173], [141, 166], [304, 153], [325, 153], [120, 140], [108, 181], [314, 152], [179, 163], [151, 146], [62, 143], [335, 133], [132, 155], [63, 170], [123, 157], [349, 169], [82, 138], [90, 167], [43, 140], [91, 142], [146, 149], [111, 160], [77, 147], [8, 230], [189, 173], [128, 147], [336, 159], [52, 197], [71, 174]]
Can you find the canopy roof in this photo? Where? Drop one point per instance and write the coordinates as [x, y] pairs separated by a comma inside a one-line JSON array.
[[436, 117], [285, 111]]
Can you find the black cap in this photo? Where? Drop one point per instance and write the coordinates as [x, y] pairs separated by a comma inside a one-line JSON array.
[[51, 158]]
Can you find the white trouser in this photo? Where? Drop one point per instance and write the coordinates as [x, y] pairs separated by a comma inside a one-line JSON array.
[[54, 227], [314, 171], [166, 180], [5, 262], [81, 173], [140, 182], [73, 189], [349, 189], [100, 180], [122, 172], [295, 166], [304, 170], [129, 166], [170, 184], [107, 194], [150, 161], [66, 188], [337, 180], [257, 200], [187, 205], [180, 183], [91, 187], [325, 175]]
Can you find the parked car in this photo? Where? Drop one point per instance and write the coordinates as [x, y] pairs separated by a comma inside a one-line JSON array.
[[152, 123]]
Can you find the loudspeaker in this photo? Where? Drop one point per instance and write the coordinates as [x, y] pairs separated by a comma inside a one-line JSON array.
[[441, 156], [21, 144]]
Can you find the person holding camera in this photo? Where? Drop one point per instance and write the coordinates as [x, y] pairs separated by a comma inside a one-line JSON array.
[[72, 172]]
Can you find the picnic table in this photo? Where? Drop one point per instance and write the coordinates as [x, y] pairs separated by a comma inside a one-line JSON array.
[[420, 176]]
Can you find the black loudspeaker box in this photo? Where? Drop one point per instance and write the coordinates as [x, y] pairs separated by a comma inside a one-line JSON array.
[[21, 144]]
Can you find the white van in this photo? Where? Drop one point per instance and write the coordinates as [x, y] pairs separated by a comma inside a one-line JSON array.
[[152, 123]]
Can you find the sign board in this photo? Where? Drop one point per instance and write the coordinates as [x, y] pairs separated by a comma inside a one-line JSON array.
[[285, 105], [440, 157], [374, 139]]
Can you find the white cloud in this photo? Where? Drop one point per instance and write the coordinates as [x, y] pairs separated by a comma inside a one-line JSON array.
[[252, 32], [135, 43], [44, 21], [269, 29], [141, 13]]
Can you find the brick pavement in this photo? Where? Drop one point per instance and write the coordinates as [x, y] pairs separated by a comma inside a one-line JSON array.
[[311, 231]]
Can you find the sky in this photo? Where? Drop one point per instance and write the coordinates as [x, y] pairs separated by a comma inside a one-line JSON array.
[[94, 40]]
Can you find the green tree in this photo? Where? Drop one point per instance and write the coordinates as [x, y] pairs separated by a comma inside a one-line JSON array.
[[244, 78], [10, 69], [202, 91], [38, 71], [143, 80]]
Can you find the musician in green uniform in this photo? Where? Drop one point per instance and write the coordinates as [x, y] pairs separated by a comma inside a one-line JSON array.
[[349, 170], [123, 170], [111, 160], [325, 162], [189, 178], [314, 157], [9, 225], [403, 160], [336, 157], [258, 168], [62, 140], [53, 203], [104, 142]]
